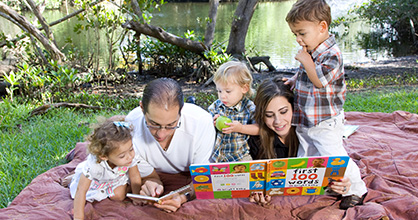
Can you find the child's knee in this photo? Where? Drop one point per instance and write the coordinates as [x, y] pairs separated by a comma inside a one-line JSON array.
[[118, 197], [119, 193]]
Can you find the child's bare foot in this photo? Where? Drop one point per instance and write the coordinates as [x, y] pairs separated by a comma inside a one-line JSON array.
[[66, 180]]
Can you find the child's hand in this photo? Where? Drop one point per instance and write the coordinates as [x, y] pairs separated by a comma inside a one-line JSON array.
[[303, 55], [234, 126], [214, 119], [290, 81], [137, 201]]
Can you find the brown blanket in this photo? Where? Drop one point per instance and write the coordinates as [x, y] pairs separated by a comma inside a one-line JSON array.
[[385, 148]]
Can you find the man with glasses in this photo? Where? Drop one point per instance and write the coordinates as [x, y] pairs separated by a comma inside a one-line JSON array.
[[169, 135]]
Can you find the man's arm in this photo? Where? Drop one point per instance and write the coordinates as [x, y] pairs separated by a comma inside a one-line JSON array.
[[204, 140]]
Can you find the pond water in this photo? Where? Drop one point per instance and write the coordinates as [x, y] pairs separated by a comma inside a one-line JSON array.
[[268, 34]]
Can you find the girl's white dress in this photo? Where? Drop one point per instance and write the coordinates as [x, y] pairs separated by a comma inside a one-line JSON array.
[[104, 180]]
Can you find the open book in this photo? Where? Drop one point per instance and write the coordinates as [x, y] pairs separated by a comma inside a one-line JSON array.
[[168, 196], [281, 177]]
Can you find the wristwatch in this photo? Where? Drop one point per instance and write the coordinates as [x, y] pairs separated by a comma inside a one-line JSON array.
[[188, 196]]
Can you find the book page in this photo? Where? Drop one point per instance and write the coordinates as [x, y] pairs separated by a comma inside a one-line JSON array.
[[349, 130], [168, 196]]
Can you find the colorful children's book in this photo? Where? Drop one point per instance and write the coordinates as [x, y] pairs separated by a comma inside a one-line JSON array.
[[276, 177]]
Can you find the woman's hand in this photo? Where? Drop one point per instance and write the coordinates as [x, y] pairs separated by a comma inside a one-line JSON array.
[[260, 199], [341, 186]]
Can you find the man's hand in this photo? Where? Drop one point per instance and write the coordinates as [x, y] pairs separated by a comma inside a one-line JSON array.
[[172, 204], [151, 188]]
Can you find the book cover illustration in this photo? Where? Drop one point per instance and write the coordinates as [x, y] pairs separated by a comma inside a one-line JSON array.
[[228, 180], [304, 176], [277, 177]]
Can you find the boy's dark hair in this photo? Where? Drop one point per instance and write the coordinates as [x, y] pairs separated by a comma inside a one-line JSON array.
[[309, 10]]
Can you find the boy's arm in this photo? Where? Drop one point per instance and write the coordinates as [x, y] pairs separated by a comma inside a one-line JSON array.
[[290, 81], [235, 126], [213, 111], [80, 197], [305, 58]]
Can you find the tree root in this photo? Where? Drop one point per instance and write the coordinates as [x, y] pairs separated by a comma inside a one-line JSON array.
[[45, 108]]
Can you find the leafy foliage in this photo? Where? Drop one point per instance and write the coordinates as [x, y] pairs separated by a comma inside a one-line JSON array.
[[164, 59], [44, 83], [394, 20]]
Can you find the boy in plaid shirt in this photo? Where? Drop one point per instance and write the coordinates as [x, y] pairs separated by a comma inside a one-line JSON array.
[[233, 82], [320, 90]]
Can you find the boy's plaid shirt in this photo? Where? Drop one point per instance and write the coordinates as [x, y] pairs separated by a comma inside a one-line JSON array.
[[232, 147], [313, 105]]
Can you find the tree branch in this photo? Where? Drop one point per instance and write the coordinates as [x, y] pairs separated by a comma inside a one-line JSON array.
[[2, 44], [41, 20], [160, 34], [43, 109], [55, 52]]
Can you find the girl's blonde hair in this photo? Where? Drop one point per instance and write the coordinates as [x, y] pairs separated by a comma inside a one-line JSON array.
[[106, 136], [235, 72]]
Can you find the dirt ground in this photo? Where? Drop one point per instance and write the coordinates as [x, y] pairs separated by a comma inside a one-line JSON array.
[[396, 66]]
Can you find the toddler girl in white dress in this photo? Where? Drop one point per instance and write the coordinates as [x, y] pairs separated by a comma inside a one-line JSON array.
[[110, 166]]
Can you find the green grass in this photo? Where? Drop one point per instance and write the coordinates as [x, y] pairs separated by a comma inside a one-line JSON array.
[[30, 146], [385, 99]]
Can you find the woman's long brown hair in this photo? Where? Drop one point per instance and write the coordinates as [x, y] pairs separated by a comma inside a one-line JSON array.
[[267, 91]]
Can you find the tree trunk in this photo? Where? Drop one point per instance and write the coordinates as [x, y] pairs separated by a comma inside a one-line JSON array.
[[239, 27], [210, 28], [55, 52]]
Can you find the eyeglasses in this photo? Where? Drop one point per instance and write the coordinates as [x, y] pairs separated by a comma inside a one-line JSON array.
[[159, 127]]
